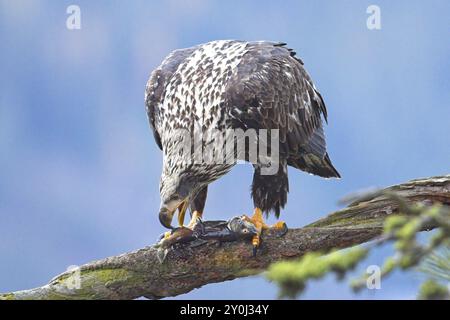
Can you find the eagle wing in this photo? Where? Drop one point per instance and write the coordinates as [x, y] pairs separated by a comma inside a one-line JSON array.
[[156, 86], [272, 90]]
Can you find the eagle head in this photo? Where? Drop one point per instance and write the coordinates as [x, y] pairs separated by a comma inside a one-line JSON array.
[[176, 190]]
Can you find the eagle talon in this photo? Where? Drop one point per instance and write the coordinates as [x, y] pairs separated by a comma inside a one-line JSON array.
[[256, 242], [280, 228], [195, 219], [166, 235], [258, 221]]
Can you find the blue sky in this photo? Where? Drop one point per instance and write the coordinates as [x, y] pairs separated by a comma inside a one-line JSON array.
[[79, 169]]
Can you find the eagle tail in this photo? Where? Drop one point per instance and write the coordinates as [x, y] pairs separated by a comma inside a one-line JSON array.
[[315, 165]]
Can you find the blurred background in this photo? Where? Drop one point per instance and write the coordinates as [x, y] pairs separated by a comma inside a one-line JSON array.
[[79, 168]]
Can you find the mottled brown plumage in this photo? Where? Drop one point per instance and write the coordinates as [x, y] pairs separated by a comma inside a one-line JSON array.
[[236, 85]]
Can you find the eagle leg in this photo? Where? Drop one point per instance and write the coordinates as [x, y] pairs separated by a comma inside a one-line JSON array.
[[197, 206], [195, 216], [258, 220]]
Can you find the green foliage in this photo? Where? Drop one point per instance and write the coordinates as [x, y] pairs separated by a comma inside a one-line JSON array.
[[401, 230], [292, 276], [431, 290], [437, 265]]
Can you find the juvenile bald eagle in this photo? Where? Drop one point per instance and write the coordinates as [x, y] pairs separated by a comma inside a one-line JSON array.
[[231, 84]]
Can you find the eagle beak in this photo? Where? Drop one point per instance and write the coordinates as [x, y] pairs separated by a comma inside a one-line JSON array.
[[165, 217], [166, 214]]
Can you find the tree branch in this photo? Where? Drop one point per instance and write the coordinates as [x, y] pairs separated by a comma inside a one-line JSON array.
[[139, 274]]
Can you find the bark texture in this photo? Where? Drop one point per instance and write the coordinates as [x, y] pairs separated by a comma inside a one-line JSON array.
[[139, 273]]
